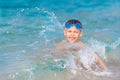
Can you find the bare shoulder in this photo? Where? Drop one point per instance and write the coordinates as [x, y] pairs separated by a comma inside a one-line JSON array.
[[81, 44], [60, 49], [60, 45]]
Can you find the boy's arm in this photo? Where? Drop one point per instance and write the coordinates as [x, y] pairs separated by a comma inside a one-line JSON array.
[[99, 60], [101, 63]]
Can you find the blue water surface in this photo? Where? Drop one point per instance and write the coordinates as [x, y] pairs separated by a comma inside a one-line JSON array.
[[29, 26]]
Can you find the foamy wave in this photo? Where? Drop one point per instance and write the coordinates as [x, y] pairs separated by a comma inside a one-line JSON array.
[[26, 74], [115, 44], [99, 47], [103, 73]]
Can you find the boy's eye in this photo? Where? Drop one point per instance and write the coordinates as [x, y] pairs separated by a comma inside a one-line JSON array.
[[69, 31], [75, 31]]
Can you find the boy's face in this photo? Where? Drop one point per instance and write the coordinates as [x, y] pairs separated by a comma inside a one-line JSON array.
[[72, 34]]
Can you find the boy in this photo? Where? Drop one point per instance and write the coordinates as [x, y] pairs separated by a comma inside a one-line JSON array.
[[72, 32]]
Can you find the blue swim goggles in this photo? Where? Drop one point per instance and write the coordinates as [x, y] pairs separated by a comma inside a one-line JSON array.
[[77, 26]]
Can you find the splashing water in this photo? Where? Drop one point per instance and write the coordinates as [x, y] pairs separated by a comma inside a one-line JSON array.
[[29, 32]]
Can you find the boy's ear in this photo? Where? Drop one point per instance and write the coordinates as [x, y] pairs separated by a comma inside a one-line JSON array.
[[64, 32], [81, 33]]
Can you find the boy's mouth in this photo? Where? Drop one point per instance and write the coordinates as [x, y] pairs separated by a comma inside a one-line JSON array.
[[72, 38]]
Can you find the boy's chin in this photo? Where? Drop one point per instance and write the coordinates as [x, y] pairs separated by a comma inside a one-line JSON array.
[[71, 41]]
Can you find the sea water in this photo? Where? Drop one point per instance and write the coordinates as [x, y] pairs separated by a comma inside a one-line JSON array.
[[29, 30]]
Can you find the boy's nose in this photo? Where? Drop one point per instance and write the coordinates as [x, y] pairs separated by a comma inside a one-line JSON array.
[[72, 33]]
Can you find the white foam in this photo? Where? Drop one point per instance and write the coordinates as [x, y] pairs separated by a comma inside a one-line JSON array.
[[98, 47], [103, 73]]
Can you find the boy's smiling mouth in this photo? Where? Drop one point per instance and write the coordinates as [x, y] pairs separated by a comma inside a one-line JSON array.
[[72, 39]]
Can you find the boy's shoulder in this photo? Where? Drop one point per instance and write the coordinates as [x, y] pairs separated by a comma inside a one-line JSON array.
[[61, 44], [81, 43]]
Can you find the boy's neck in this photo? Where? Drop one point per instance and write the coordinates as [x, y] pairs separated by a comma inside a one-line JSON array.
[[71, 42]]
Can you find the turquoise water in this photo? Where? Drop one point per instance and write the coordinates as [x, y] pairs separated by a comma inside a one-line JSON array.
[[29, 29]]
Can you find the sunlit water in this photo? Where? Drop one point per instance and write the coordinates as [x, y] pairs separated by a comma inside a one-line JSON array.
[[29, 30]]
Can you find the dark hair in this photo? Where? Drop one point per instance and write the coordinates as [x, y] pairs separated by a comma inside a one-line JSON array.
[[73, 21]]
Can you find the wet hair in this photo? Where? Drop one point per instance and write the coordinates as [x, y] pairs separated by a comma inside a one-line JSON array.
[[73, 21]]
